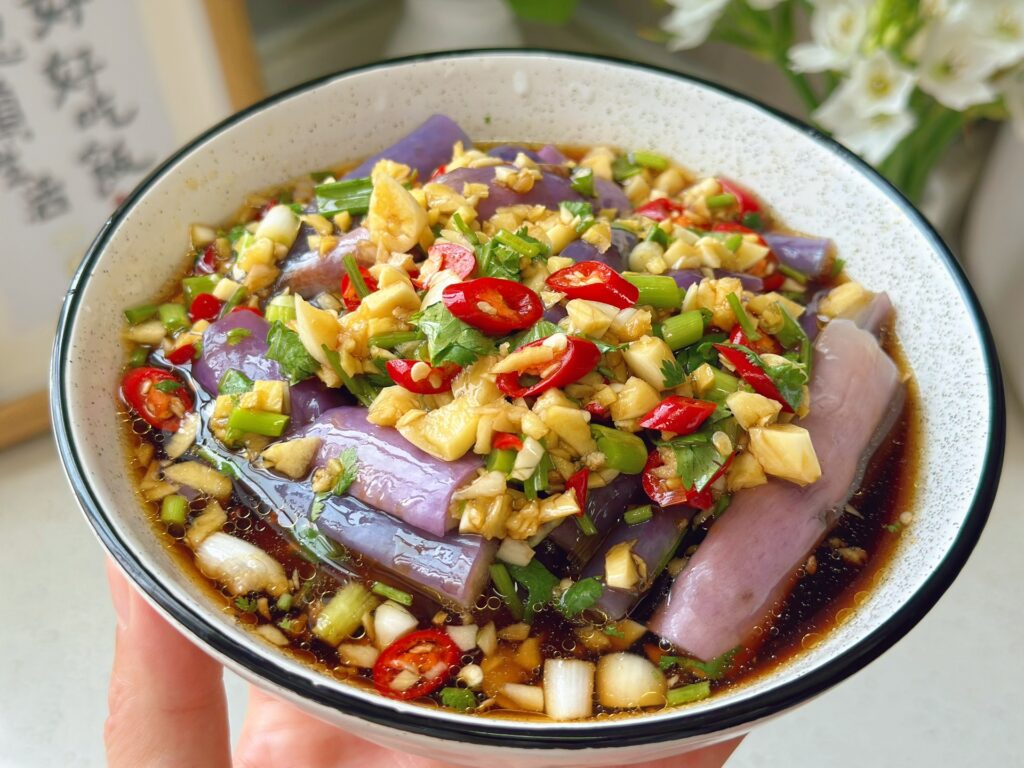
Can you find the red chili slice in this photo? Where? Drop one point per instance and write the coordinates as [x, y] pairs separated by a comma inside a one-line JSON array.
[[205, 306], [578, 359], [660, 209], [265, 208], [682, 415], [186, 353], [746, 202], [579, 483], [597, 410], [438, 172], [206, 264], [348, 291], [655, 489], [151, 403], [430, 653], [495, 306], [436, 381], [764, 345], [504, 441], [457, 258], [753, 374], [247, 308], [594, 281]]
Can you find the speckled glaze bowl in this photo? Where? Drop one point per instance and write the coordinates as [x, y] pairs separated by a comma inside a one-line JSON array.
[[815, 185]]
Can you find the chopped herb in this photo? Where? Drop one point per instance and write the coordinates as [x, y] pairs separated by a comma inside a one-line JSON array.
[[352, 195], [720, 201], [223, 466], [688, 694], [623, 168], [237, 298], [712, 670], [673, 373], [721, 504], [319, 502], [649, 160], [237, 232], [697, 460], [522, 243], [579, 597], [893, 527], [801, 277], [837, 268], [753, 221], [235, 336], [580, 210], [285, 347], [793, 336], [297, 208], [245, 604], [311, 541], [612, 631], [321, 176], [169, 385], [539, 330], [458, 698], [288, 625], [361, 387], [788, 376], [465, 229], [136, 315], [390, 593], [658, 235], [498, 260], [284, 602], [139, 357], [733, 241], [355, 276], [583, 181], [748, 325], [586, 524], [539, 583], [638, 515], [449, 340], [507, 589], [703, 351], [349, 469], [234, 382], [538, 481]]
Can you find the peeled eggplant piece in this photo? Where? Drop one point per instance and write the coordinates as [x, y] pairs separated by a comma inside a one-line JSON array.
[[605, 506], [425, 149], [307, 273], [393, 475], [453, 567], [750, 556], [656, 542]]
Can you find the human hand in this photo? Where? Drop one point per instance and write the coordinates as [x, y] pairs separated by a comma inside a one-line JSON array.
[[167, 708]]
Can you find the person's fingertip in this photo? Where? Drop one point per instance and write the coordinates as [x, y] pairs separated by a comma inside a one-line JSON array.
[[120, 594]]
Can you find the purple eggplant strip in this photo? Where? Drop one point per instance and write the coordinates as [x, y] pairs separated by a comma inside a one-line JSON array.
[[454, 568], [551, 155], [656, 542], [307, 273], [425, 149], [686, 277], [509, 152], [309, 399], [605, 506], [394, 475], [750, 556], [810, 255]]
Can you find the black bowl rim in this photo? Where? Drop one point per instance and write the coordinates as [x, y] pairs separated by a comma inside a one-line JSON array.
[[501, 733]]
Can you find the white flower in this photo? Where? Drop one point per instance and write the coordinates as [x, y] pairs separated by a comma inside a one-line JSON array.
[[868, 112], [837, 29], [1012, 87], [691, 22], [1001, 23], [956, 63]]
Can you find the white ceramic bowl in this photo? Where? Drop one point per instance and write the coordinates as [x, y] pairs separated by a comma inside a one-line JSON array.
[[815, 186]]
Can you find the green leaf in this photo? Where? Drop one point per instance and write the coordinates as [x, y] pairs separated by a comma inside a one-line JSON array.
[[703, 351], [497, 260], [465, 229], [583, 181], [539, 330], [613, 631], [583, 211], [673, 373], [236, 335], [285, 347], [539, 583], [245, 604], [449, 340], [789, 377], [169, 385], [793, 336], [544, 11], [579, 597], [713, 670], [349, 468], [696, 464], [361, 387], [234, 382], [236, 233]]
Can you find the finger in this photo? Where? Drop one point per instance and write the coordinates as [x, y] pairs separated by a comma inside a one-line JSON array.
[[167, 704], [713, 756]]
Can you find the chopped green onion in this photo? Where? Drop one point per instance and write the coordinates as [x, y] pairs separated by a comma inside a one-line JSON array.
[[501, 460], [583, 181], [622, 451], [465, 229], [352, 195], [174, 317], [689, 693], [837, 268], [658, 235], [234, 382], [586, 525], [139, 357], [395, 339], [258, 422], [174, 510], [223, 466], [352, 270], [136, 315], [638, 515], [193, 286], [623, 169], [792, 335], [390, 593], [724, 385], [649, 160], [520, 245], [538, 481], [748, 326], [503, 583], [658, 291], [753, 221], [801, 277], [721, 201], [281, 308], [236, 335], [168, 385], [340, 617], [237, 298], [284, 602], [733, 241], [458, 698], [683, 329]]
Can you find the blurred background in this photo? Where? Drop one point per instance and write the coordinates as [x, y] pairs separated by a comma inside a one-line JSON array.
[[94, 93]]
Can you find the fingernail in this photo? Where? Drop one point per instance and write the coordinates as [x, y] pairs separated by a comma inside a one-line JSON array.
[[120, 595]]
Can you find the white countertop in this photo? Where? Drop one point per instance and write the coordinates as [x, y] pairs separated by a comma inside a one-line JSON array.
[[947, 694]]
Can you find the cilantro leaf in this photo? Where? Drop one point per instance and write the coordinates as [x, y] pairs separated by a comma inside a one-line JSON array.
[[673, 373], [234, 382], [789, 376], [582, 211], [579, 597], [539, 330], [583, 181], [235, 336], [539, 583], [497, 260], [612, 631], [169, 385], [349, 468], [604, 346], [793, 336], [697, 463], [712, 670], [245, 604], [449, 340], [285, 347]]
